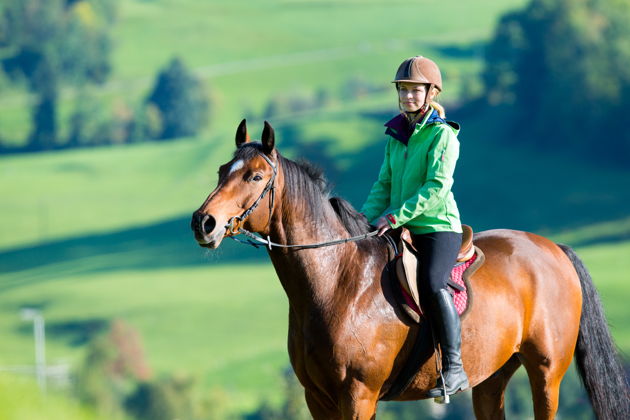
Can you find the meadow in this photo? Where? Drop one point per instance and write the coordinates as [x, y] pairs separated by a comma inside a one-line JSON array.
[[98, 234]]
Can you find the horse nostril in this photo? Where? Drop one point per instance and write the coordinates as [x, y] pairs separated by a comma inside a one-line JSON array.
[[195, 222], [208, 224]]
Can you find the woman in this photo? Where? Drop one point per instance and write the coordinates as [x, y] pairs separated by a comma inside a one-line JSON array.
[[413, 189]]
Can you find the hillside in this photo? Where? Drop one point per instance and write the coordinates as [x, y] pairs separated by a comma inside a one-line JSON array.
[[98, 234]]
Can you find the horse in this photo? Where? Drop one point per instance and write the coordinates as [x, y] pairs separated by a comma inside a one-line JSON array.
[[535, 304]]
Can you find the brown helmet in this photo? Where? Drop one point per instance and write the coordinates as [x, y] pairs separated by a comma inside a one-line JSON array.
[[419, 69]]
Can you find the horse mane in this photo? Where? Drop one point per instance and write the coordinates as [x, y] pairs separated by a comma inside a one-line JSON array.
[[304, 179], [354, 222]]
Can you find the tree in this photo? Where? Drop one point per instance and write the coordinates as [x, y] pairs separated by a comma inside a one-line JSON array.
[[114, 363], [565, 67], [173, 397], [180, 100], [47, 42]]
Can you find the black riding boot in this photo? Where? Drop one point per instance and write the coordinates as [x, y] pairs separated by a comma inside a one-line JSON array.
[[448, 328]]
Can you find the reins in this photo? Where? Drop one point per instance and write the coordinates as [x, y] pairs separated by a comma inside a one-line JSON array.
[[271, 244], [232, 227]]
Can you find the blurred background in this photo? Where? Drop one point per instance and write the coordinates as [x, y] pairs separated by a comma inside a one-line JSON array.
[[114, 118]]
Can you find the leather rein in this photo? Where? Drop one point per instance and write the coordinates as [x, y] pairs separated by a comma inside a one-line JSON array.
[[233, 226]]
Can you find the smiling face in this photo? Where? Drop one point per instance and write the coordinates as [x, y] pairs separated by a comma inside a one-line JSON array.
[[411, 96]]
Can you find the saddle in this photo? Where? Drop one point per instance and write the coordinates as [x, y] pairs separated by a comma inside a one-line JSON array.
[[469, 259]]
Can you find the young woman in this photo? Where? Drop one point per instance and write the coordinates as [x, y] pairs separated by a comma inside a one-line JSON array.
[[413, 189]]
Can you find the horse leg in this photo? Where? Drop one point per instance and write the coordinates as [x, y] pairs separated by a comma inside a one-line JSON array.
[[488, 396], [356, 406], [359, 403], [545, 375], [319, 409]]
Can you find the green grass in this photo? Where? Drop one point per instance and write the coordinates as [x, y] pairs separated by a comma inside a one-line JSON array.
[[20, 399], [609, 266], [88, 191]]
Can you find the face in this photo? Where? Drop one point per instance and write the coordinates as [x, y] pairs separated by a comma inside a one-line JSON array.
[[241, 183], [411, 96]]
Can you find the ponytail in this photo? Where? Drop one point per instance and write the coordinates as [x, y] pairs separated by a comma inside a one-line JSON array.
[[439, 108], [435, 105]]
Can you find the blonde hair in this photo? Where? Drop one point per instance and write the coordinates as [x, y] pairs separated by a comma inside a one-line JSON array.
[[439, 108], [435, 105]]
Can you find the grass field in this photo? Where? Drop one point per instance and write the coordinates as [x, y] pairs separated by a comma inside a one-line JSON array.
[[20, 399], [99, 234]]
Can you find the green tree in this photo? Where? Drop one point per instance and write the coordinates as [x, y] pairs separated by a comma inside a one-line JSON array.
[[565, 67], [181, 101], [48, 42], [174, 397]]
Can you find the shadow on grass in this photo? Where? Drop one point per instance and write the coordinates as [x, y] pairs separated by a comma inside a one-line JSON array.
[[76, 332], [161, 245]]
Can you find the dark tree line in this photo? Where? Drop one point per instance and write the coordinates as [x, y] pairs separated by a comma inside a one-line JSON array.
[[564, 65], [48, 44]]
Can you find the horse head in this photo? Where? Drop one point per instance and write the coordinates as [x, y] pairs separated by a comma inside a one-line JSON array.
[[239, 198]]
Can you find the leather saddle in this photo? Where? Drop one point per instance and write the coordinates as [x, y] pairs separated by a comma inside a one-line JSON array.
[[406, 264]]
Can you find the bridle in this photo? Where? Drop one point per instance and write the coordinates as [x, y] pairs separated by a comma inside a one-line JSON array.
[[233, 226]]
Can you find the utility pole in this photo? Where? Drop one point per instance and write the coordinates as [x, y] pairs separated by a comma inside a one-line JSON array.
[[30, 314]]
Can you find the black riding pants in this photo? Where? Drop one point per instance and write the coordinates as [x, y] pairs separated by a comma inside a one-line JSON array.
[[437, 253]]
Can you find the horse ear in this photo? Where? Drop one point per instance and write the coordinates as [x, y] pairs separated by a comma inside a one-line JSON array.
[[241, 134], [268, 138]]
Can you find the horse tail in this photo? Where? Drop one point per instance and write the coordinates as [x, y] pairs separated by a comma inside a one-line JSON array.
[[598, 363]]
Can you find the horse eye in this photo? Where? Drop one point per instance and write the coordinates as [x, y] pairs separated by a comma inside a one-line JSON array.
[[257, 178]]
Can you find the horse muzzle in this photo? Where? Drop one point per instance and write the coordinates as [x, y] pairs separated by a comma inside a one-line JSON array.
[[207, 233]]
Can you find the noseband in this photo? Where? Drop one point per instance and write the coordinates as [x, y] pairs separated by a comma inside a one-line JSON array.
[[233, 225]]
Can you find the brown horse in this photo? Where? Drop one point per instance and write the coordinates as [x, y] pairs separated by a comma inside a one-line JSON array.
[[535, 304]]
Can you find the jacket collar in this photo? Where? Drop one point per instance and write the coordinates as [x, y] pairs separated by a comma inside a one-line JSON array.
[[398, 127]]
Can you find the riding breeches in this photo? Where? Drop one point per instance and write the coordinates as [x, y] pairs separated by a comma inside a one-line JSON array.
[[437, 253]]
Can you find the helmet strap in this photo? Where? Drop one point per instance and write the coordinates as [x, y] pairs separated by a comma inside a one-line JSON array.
[[427, 101]]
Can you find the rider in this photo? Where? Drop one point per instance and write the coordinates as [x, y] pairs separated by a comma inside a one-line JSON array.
[[413, 189]]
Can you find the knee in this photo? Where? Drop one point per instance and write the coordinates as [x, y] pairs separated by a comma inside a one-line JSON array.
[[432, 283]]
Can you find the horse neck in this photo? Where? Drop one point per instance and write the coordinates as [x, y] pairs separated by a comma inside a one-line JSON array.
[[310, 277]]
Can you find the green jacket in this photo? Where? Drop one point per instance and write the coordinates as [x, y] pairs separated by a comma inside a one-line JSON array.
[[414, 184]]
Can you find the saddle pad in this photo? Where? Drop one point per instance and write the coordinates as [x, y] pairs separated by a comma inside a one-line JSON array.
[[460, 297]]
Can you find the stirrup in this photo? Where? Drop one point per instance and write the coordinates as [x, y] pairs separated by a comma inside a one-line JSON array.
[[444, 399]]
